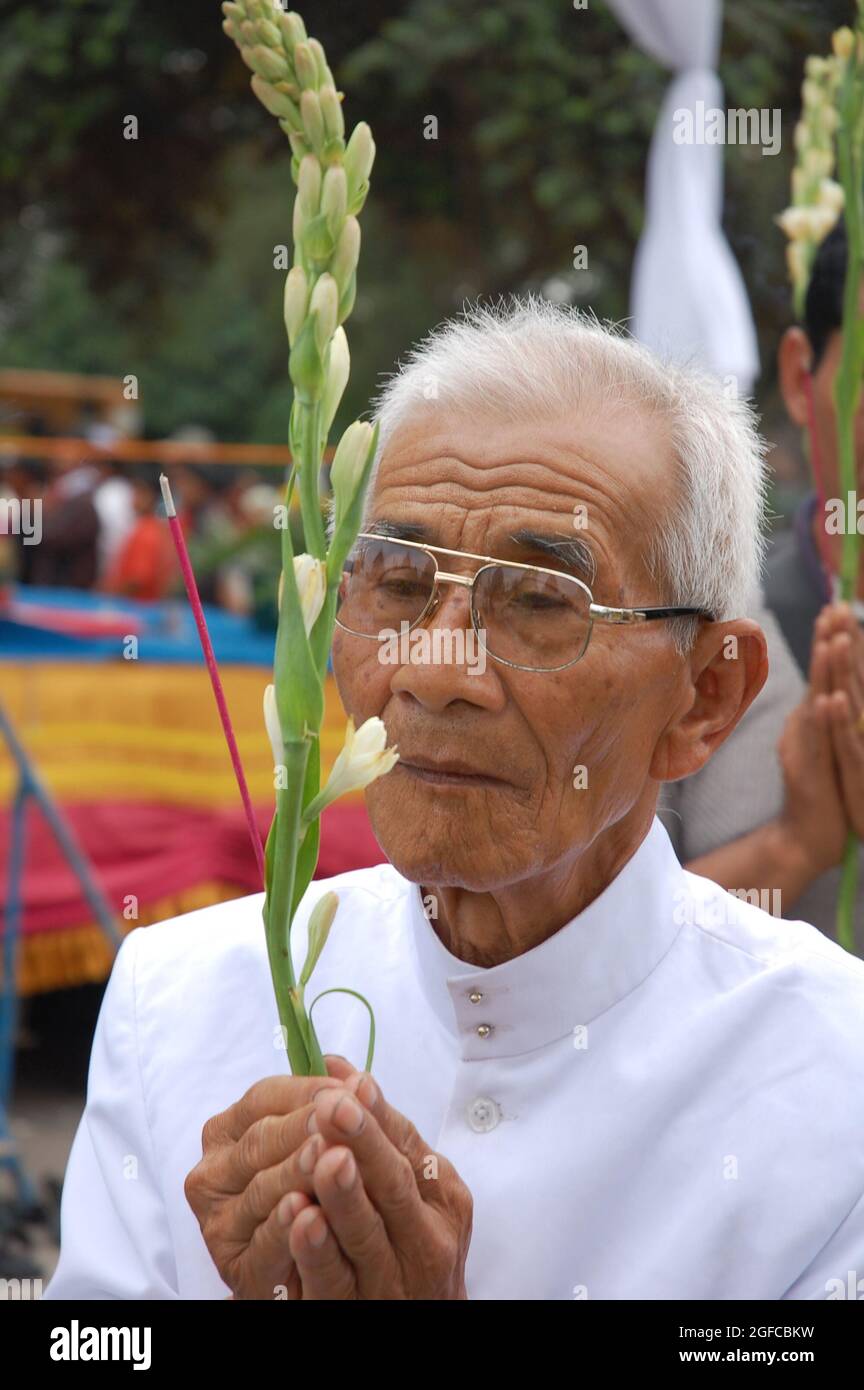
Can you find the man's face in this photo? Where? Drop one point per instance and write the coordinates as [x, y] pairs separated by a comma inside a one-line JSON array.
[[472, 483]]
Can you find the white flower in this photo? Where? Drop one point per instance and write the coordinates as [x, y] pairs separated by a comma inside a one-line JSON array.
[[795, 222], [311, 576], [273, 726], [363, 758], [843, 42], [822, 219]]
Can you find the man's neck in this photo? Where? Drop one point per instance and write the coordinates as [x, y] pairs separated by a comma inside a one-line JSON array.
[[487, 927]]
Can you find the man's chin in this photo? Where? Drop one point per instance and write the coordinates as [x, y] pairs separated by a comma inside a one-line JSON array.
[[439, 856]]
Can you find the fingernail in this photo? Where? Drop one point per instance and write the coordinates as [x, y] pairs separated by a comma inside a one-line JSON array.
[[312, 1124], [346, 1173], [308, 1156], [364, 1089], [291, 1204], [316, 1233], [348, 1116], [370, 1092]]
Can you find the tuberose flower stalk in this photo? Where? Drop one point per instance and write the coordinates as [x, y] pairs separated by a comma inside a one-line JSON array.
[[847, 385], [292, 80]]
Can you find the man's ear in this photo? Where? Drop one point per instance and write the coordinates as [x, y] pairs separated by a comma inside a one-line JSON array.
[[726, 669], [794, 364]]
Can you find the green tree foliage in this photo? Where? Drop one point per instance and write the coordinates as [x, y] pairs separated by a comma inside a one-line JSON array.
[[155, 255]]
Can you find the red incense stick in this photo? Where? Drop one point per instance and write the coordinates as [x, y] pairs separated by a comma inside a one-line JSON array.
[[207, 648]]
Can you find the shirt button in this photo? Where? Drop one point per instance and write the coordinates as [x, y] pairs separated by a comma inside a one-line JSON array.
[[483, 1114], [484, 1030], [475, 996]]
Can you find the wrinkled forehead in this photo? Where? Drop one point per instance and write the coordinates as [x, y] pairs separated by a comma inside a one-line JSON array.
[[604, 476]]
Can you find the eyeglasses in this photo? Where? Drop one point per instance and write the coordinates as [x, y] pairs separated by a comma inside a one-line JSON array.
[[524, 615]]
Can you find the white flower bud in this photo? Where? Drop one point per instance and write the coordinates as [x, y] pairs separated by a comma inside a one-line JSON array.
[[296, 302], [320, 922], [795, 222], [273, 726], [349, 461], [311, 577], [831, 196], [309, 185], [818, 163], [338, 368], [325, 303], [822, 219], [796, 261], [313, 121]]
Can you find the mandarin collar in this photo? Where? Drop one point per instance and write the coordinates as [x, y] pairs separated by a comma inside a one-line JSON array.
[[579, 972]]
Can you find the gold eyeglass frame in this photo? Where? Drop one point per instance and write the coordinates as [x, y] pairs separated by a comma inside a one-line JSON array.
[[597, 612]]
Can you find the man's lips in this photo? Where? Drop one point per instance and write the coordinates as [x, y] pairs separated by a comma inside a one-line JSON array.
[[453, 772]]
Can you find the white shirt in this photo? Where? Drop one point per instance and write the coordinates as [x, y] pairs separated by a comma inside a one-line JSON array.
[[667, 1103], [114, 505]]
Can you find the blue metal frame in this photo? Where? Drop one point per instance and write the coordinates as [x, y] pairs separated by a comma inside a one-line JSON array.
[[28, 787]]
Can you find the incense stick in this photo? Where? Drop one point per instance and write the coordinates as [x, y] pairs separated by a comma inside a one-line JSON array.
[[207, 648]]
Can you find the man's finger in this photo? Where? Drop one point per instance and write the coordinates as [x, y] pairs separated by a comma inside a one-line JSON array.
[[387, 1172], [848, 749], [356, 1225], [845, 671], [323, 1269], [294, 1174], [269, 1252], [273, 1095]]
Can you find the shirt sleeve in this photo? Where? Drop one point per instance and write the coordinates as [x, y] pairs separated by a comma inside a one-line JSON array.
[[115, 1240], [837, 1269]]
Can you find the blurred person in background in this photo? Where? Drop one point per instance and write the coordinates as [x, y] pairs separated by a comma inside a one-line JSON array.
[[114, 500], [249, 577], [26, 481], [67, 554], [208, 526], [145, 565], [772, 810]]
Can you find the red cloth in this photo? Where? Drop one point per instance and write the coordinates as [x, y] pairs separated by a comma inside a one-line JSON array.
[[146, 564], [154, 851]]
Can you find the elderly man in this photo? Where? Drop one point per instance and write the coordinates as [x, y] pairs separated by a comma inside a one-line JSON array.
[[597, 1075]]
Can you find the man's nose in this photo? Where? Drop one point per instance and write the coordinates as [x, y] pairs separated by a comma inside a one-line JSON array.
[[436, 680]]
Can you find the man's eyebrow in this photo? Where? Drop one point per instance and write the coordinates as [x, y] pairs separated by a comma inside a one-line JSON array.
[[571, 552], [399, 530]]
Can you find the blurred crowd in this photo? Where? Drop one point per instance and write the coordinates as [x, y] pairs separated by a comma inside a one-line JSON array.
[[103, 528]]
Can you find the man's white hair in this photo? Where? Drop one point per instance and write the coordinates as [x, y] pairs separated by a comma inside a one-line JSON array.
[[529, 358]]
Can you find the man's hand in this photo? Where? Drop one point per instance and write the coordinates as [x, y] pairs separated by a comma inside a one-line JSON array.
[[814, 817], [250, 1162], [267, 1189], [838, 631], [392, 1220]]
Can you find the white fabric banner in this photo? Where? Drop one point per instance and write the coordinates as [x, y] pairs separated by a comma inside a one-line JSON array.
[[688, 298]]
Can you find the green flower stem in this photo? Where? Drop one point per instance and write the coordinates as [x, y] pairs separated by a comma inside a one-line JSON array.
[[847, 387], [293, 81], [281, 889], [309, 468]]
